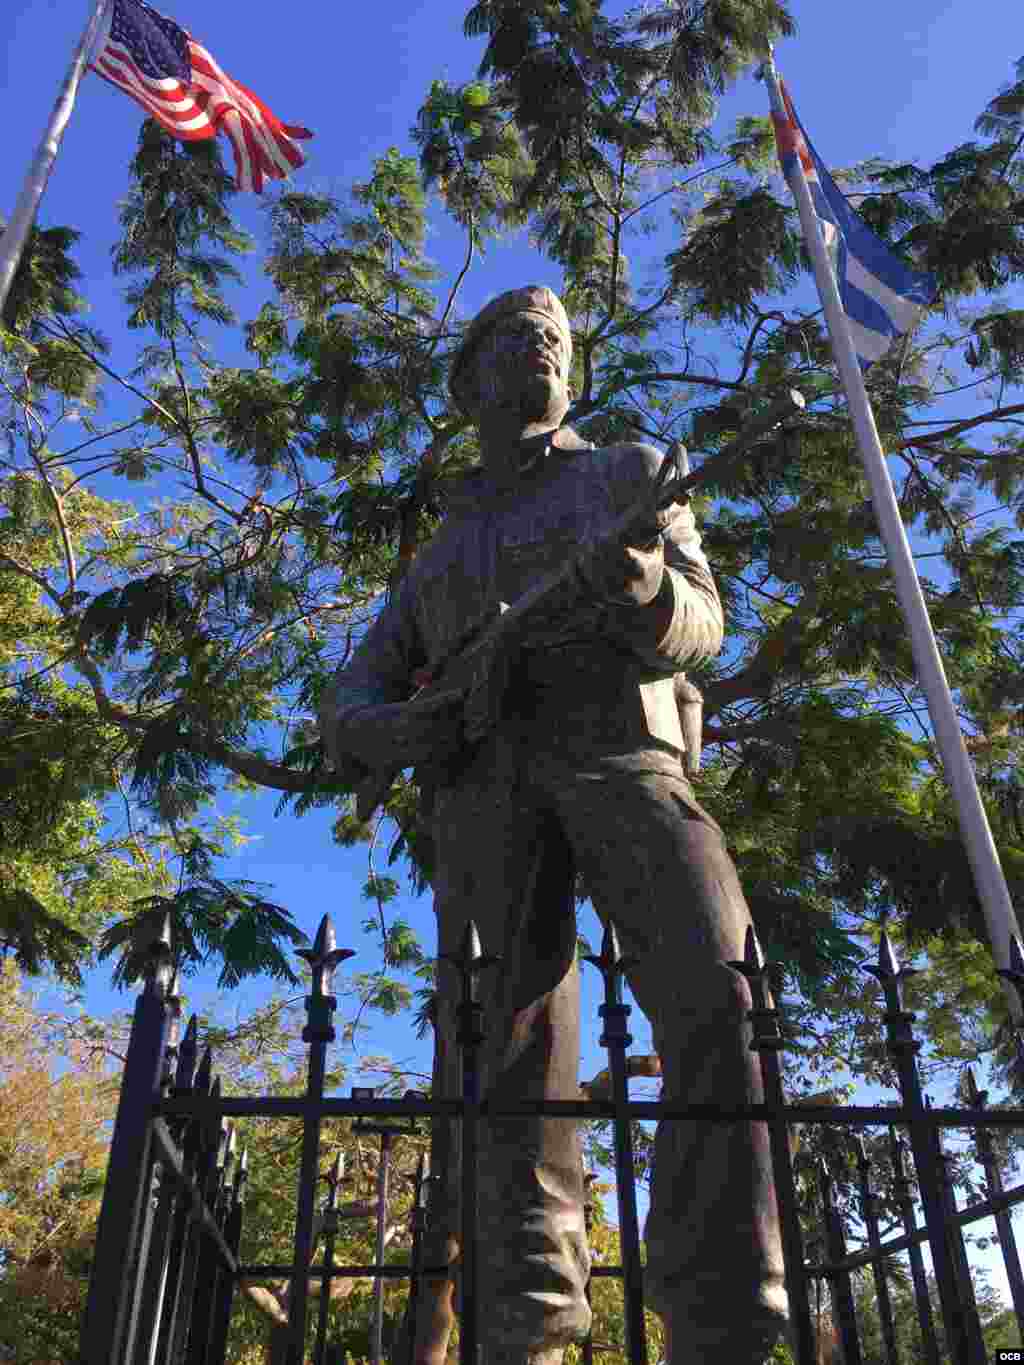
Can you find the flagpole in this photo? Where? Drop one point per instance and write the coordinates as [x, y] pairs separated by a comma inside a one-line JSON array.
[[974, 827], [15, 234]]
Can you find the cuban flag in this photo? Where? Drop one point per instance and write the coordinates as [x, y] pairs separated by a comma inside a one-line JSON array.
[[882, 298]]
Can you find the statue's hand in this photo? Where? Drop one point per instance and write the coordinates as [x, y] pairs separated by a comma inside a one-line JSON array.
[[629, 573], [404, 734]]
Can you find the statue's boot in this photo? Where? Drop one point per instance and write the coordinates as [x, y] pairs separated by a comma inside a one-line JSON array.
[[747, 1339]]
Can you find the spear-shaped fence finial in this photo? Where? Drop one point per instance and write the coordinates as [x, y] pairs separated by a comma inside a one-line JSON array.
[[887, 959], [421, 1177], [333, 1180], [158, 968], [337, 1174], [764, 1017], [241, 1177], [471, 945], [188, 1051], [227, 1161], [230, 1151], [890, 974], [975, 1097], [753, 963], [470, 961], [895, 1151], [204, 1072], [824, 1181], [223, 1136], [173, 1003], [323, 959], [324, 956], [612, 966]]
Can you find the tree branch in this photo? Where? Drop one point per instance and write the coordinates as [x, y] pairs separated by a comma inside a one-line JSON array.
[[757, 678], [253, 767], [175, 421], [996, 415]]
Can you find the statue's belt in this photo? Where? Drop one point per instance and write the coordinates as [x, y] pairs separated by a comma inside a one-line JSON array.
[[595, 663]]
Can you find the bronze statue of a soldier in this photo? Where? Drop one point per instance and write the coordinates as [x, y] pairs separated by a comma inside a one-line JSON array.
[[585, 770]]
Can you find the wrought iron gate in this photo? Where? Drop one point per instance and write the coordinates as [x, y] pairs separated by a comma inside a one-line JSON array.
[[166, 1262]]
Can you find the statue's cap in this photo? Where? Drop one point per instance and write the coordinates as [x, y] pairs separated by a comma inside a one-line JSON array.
[[534, 298]]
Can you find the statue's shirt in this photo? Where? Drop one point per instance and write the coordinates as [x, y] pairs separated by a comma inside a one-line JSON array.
[[502, 544], [496, 543]]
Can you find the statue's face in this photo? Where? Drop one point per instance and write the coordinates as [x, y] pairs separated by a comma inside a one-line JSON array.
[[522, 364]]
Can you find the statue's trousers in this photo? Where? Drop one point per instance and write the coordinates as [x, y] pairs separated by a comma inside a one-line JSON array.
[[509, 833]]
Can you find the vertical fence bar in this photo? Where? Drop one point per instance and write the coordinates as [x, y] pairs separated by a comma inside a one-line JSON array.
[[816, 1253], [903, 1047], [387, 1131], [978, 1099], [616, 1038], [901, 1187], [1015, 975], [128, 1170], [333, 1178], [188, 1135], [404, 1346], [150, 1302], [323, 958], [960, 1261], [220, 1271], [587, 1346], [149, 1271], [208, 1254], [842, 1289], [869, 1213], [233, 1237], [210, 1138], [470, 961], [766, 1040], [383, 1164], [419, 1227], [145, 1255]]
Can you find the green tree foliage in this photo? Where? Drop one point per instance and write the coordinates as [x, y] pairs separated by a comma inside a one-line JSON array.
[[189, 547]]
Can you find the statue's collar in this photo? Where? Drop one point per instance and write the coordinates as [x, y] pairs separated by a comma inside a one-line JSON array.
[[562, 441], [534, 454], [535, 451]]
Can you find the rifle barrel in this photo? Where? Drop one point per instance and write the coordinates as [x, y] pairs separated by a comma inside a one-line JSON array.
[[716, 467]]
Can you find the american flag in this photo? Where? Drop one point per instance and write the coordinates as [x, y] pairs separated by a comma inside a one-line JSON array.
[[178, 83], [881, 296]]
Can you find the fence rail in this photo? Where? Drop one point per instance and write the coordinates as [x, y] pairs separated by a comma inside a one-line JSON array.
[[166, 1266]]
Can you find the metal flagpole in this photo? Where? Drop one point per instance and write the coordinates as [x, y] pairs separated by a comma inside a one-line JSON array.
[[974, 827], [15, 234]]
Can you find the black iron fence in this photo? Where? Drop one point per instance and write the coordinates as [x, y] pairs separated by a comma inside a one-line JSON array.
[[166, 1265]]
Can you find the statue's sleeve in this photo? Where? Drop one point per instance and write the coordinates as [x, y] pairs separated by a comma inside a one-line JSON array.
[[697, 626], [377, 673]]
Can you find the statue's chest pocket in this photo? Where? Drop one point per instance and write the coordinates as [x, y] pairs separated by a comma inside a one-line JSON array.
[[446, 602], [530, 548]]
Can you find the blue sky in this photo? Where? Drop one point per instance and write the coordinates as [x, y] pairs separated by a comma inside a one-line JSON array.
[[899, 80]]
